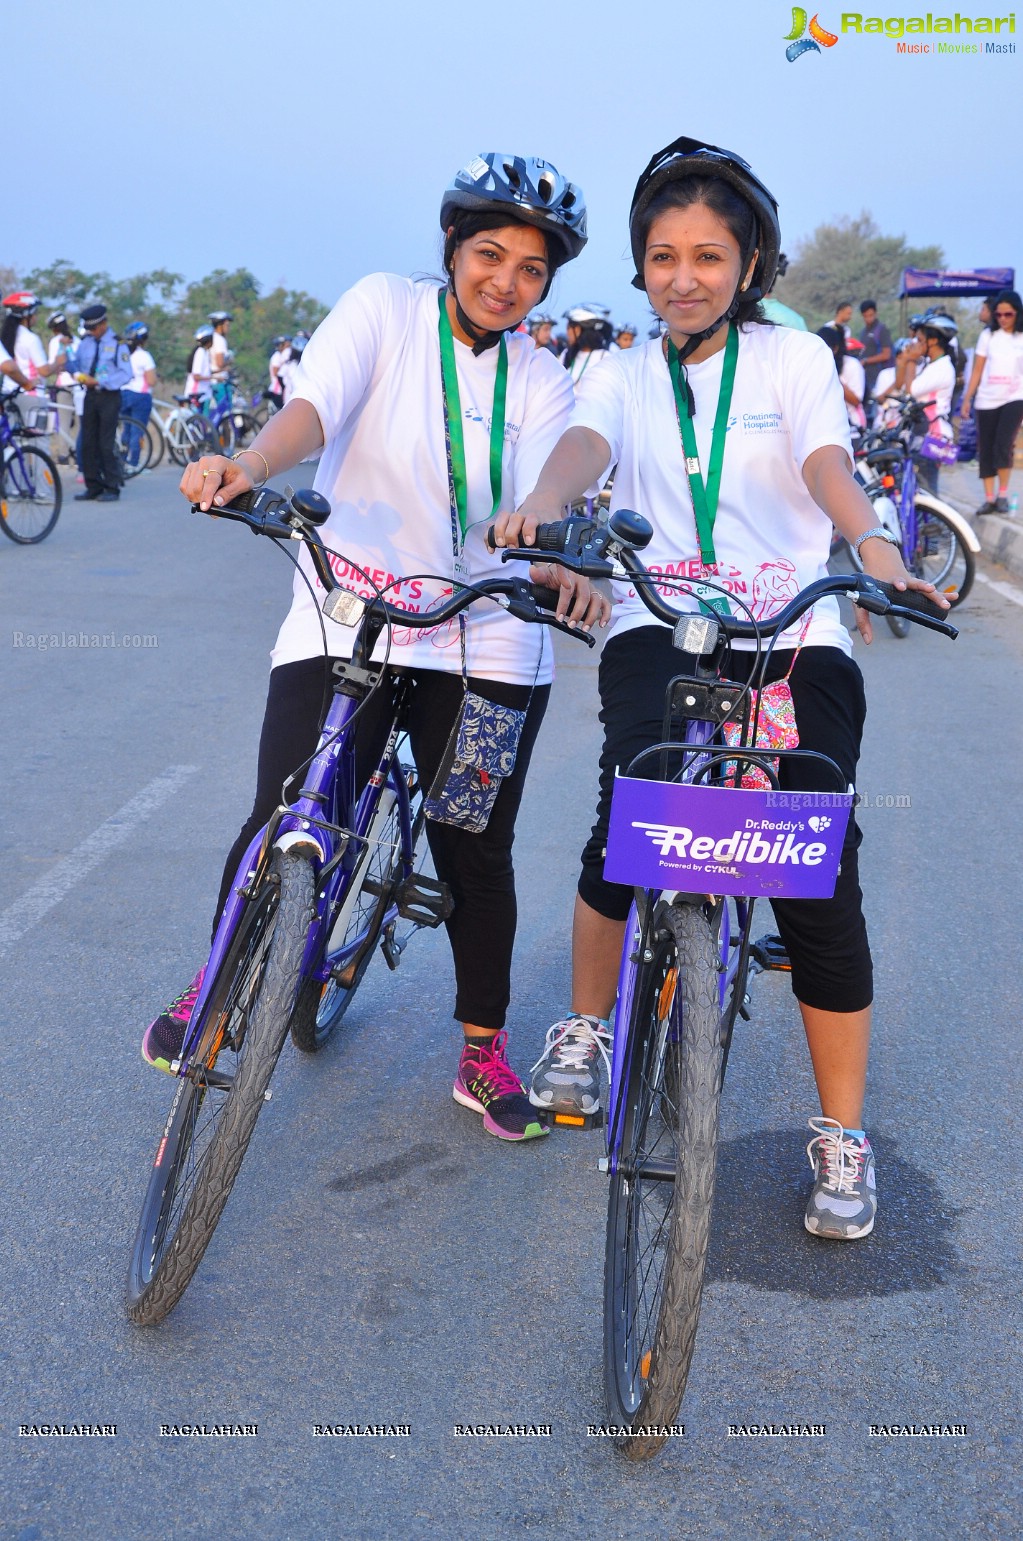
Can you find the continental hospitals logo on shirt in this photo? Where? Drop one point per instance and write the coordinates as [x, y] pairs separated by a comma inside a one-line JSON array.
[[927, 34]]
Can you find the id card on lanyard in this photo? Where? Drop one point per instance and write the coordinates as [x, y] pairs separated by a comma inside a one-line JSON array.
[[455, 441], [705, 494]]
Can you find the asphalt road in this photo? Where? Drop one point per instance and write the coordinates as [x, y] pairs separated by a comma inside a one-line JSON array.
[[381, 1261]]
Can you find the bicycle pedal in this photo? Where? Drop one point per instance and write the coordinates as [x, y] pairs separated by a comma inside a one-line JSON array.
[[578, 1120], [425, 901], [770, 953]]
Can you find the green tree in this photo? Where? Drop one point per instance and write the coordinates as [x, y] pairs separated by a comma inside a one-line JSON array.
[[851, 260], [62, 286]]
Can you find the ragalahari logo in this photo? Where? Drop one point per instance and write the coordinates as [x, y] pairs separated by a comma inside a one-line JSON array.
[[799, 44]]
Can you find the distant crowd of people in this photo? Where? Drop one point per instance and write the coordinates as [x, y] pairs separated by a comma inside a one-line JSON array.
[[112, 378], [876, 372]]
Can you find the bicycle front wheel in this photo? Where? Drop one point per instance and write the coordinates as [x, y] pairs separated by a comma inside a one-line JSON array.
[[662, 1190], [940, 555], [215, 1108], [30, 495], [362, 912]]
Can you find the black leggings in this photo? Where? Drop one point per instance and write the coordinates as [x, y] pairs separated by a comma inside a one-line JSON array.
[[997, 428], [826, 939], [477, 868]]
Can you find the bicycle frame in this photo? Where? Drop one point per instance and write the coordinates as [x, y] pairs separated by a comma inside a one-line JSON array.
[[335, 846], [12, 458]]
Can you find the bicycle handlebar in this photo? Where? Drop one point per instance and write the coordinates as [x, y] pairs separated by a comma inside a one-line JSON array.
[[295, 516], [594, 551]]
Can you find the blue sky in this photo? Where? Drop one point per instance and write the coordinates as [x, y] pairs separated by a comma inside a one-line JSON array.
[[310, 141]]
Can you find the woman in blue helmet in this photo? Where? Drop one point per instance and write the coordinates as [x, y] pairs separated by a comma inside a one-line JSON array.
[[379, 377], [705, 239]]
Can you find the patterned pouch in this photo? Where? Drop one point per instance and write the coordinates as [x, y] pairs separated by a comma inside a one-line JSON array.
[[776, 729], [479, 754]]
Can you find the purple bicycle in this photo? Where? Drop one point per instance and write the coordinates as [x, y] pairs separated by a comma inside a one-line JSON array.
[[688, 956], [331, 876]]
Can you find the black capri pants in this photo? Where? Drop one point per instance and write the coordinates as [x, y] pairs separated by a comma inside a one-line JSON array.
[[997, 428], [476, 867], [826, 939]]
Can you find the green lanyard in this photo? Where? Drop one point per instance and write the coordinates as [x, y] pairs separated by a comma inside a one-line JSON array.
[[453, 422], [705, 497]]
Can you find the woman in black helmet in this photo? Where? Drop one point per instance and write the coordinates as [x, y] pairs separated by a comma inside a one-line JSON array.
[[705, 239], [380, 377]]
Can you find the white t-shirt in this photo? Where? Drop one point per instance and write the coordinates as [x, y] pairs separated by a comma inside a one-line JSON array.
[[140, 362], [29, 353], [770, 538], [277, 358], [219, 353], [933, 386], [1002, 380], [198, 382], [586, 361], [372, 372], [58, 344], [287, 369], [854, 376]]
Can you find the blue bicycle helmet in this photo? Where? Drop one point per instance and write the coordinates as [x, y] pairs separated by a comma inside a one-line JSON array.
[[527, 189]]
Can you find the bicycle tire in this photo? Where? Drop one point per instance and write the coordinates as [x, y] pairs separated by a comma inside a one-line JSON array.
[[121, 441], [320, 1007], [197, 1162], [658, 1229], [31, 487], [245, 428], [898, 625], [159, 443], [940, 555]]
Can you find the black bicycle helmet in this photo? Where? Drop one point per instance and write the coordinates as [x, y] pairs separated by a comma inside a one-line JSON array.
[[692, 158], [530, 190]]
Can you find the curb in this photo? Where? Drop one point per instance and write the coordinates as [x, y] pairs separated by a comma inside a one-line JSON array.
[[1001, 539]]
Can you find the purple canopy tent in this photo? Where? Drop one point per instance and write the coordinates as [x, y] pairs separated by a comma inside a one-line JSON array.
[[959, 283]]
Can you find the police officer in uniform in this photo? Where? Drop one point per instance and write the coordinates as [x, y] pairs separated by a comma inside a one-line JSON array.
[[102, 364]]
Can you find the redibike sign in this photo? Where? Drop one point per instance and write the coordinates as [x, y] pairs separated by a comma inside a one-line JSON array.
[[715, 840]]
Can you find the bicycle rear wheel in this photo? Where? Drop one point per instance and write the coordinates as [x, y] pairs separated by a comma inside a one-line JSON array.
[[662, 1193], [30, 495], [320, 1007], [215, 1109], [126, 426]]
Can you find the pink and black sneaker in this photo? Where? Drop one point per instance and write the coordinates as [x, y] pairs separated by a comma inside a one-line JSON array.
[[487, 1084], [161, 1043]]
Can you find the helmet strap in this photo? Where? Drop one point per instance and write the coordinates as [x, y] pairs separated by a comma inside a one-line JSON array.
[[482, 339]]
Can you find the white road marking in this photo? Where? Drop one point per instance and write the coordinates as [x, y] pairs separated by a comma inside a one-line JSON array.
[[1007, 590], [51, 889]]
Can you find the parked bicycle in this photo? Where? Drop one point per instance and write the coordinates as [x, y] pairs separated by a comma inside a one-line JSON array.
[[688, 956], [936, 542], [328, 879], [30, 487]]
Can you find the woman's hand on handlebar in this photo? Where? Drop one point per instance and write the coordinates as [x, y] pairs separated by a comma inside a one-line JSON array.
[[885, 562], [519, 528], [215, 480], [581, 603]]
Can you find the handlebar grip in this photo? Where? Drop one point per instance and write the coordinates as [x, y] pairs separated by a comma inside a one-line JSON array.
[[549, 537], [912, 599], [543, 597]]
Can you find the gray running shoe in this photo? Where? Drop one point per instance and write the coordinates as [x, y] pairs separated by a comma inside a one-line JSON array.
[[568, 1075], [843, 1201]]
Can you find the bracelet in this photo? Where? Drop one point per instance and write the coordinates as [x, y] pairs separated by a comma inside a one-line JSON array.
[[262, 457], [878, 530]]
